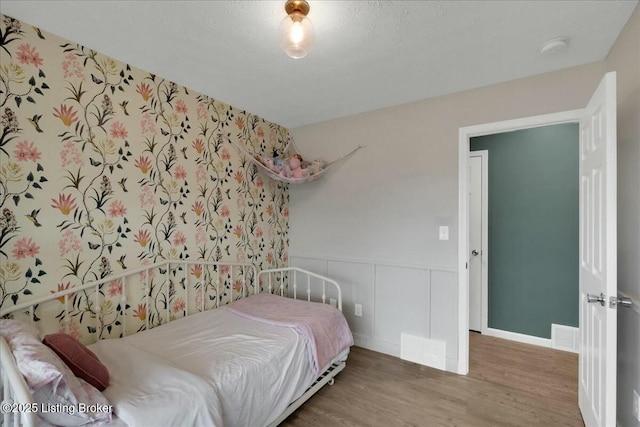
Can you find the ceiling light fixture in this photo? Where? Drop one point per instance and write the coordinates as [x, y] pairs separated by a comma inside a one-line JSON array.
[[553, 46], [296, 30]]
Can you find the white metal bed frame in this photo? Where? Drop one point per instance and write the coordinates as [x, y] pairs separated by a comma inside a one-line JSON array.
[[14, 389]]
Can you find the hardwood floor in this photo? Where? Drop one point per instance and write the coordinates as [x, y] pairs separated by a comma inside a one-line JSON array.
[[509, 384]]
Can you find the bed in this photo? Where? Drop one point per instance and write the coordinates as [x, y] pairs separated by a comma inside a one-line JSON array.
[[240, 354]]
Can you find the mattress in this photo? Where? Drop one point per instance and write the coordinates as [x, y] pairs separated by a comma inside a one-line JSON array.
[[206, 370]]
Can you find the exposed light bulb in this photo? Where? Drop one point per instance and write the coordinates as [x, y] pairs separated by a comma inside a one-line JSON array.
[[296, 34]]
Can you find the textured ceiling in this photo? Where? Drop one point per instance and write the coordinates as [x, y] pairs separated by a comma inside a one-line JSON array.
[[367, 54]]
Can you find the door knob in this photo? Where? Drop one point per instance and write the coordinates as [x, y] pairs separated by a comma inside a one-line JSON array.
[[596, 298], [475, 252]]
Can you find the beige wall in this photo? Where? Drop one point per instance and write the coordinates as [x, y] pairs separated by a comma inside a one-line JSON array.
[[624, 58], [383, 206]]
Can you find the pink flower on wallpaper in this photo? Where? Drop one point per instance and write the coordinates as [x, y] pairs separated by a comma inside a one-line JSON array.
[[24, 248], [74, 329], [179, 172], [259, 232], [29, 55], [224, 211], [241, 202], [196, 271], [71, 67], [270, 258], [65, 203], [146, 197], [201, 235], [142, 237], [25, 151], [144, 90], [260, 132], [65, 113], [272, 185], [199, 298], [224, 270], [62, 287], [285, 212], [71, 155], [240, 256], [237, 230], [115, 288], [259, 182], [117, 208], [181, 107], [146, 124], [285, 257], [238, 286], [238, 176], [202, 111], [143, 163], [239, 121], [272, 136], [201, 173], [270, 210], [142, 276], [118, 130], [69, 243], [224, 154], [197, 208], [272, 232], [198, 144], [178, 305], [140, 312], [179, 239]]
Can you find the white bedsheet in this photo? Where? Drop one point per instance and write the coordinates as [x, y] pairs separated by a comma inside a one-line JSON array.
[[147, 391], [246, 363]]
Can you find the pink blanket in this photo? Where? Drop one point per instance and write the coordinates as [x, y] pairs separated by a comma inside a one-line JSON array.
[[324, 327]]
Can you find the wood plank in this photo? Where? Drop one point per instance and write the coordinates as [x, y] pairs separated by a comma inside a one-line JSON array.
[[509, 384]]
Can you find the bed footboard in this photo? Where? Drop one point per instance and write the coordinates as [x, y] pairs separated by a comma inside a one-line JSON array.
[[295, 281]]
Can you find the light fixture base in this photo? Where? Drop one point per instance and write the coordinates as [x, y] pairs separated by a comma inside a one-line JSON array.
[[297, 6], [553, 46]]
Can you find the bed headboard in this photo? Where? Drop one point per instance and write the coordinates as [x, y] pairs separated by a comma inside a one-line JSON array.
[[201, 285]]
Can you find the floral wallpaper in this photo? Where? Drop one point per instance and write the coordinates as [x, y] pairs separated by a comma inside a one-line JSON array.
[[105, 167]]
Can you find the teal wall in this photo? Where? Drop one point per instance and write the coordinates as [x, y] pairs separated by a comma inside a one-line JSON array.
[[533, 228]]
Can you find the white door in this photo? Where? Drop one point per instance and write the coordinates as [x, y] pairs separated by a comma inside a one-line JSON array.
[[598, 270], [477, 240]]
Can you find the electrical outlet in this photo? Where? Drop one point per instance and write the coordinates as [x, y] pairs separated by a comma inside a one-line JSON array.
[[358, 311], [636, 405]]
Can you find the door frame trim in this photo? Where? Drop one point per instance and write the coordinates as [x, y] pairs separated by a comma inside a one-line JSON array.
[[464, 135], [484, 233]]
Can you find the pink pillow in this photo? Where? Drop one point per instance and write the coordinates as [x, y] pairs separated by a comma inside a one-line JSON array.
[[82, 361]]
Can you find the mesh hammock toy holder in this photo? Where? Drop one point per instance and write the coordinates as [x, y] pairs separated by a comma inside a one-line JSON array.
[[292, 149]]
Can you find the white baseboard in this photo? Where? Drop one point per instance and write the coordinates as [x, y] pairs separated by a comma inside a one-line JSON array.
[[514, 336], [394, 350]]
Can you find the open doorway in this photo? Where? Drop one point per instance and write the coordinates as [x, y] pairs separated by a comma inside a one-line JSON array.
[[523, 235], [597, 246]]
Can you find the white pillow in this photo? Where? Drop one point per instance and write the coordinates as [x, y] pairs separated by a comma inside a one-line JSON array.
[[58, 408], [50, 380], [11, 329]]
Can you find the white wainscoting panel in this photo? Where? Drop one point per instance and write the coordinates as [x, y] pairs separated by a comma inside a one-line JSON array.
[[402, 301], [356, 281], [444, 312], [414, 300]]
